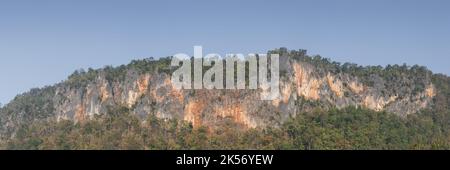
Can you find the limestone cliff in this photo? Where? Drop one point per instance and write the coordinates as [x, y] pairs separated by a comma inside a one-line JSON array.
[[305, 84]]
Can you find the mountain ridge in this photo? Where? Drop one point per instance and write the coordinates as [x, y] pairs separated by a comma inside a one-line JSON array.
[[143, 87]]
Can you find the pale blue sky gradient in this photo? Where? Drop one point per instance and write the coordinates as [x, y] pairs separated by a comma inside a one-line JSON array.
[[42, 42]]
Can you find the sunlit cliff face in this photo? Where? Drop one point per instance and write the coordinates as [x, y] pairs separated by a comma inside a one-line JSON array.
[[153, 93]]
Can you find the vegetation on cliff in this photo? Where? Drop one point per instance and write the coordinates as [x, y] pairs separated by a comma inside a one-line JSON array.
[[29, 121]]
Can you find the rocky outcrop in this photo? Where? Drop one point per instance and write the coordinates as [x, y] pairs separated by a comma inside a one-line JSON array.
[[303, 86], [153, 94]]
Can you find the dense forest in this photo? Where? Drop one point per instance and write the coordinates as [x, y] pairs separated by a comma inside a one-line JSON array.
[[348, 128]]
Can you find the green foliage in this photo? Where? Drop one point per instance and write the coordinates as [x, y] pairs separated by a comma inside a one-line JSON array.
[[390, 76], [115, 74], [81, 78], [352, 128], [150, 65], [348, 128], [28, 107]]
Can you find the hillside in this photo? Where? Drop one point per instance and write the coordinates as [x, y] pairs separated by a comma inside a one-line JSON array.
[[323, 105]]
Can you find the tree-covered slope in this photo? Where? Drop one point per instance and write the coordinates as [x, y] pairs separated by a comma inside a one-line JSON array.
[[323, 105]]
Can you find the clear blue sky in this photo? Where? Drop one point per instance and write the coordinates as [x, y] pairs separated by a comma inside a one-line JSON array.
[[42, 42]]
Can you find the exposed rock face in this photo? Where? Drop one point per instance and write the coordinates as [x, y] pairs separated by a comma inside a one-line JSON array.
[[301, 85], [147, 94]]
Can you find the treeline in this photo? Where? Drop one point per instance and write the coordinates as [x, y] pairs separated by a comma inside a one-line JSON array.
[[80, 78], [349, 128]]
